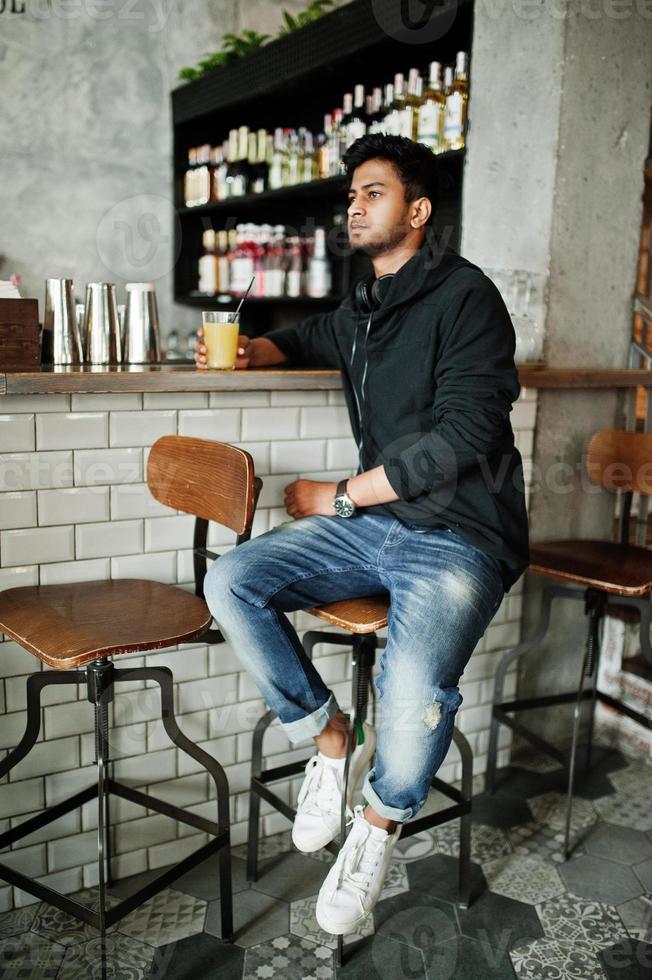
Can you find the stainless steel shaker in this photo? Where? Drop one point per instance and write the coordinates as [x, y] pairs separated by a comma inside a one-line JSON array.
[[102, 342], [60, 329], [141, 333]]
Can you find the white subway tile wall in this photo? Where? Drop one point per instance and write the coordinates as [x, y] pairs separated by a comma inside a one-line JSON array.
[[75, 506]]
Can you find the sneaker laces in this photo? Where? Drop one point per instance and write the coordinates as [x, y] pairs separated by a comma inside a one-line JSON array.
[[361, 855], [320, 791]]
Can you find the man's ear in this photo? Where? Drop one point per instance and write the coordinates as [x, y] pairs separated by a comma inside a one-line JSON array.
[[420, 212]]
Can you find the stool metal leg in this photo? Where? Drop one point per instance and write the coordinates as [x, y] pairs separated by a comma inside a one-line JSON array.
[[595, 604], [163, 677], [34, 686], [99, 677], [464, 868], [364, 656], [262, 725]]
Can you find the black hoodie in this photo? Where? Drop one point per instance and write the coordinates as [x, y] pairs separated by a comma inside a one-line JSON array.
[[429, 380]]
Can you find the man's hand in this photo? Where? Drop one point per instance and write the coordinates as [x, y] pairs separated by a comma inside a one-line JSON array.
[[304, 498], [243, 357]]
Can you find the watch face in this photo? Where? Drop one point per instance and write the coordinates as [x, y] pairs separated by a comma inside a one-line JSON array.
[[343, 506]]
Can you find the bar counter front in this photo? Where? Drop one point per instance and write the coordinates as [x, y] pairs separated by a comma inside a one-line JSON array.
[[75, 506]]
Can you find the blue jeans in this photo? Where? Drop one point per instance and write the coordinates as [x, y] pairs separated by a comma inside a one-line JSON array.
[[444, 593]]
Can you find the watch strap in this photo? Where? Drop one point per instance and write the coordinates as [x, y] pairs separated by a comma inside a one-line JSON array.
[[341, 487]]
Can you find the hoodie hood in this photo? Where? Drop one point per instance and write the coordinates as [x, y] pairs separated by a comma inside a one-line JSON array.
[[425, 272]]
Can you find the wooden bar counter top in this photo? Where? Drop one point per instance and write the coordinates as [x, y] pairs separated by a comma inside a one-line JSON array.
[[180, 376]]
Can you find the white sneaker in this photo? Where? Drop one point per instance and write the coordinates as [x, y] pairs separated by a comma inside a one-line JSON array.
[[354, 883], [319, 804]]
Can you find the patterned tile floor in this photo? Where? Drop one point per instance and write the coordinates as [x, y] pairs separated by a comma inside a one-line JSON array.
[[534, 916]]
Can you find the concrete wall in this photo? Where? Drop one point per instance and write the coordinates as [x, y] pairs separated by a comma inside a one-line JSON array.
[[556, 188], [86, 136]]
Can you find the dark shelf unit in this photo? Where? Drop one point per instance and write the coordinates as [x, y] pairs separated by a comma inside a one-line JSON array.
[[293, 81], [208, 302]]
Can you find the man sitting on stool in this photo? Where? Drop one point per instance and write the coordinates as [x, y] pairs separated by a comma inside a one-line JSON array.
[[435, 516]]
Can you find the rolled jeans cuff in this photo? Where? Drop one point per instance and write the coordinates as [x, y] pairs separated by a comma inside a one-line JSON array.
[[313, 724], [388, 812]]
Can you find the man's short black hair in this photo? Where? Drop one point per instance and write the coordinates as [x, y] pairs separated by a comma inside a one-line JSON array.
[[414, 163]]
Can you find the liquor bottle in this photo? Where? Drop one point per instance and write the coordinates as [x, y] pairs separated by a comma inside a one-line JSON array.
[[262, 260], [202, 175], [385, 121], [347, 110], [294, 267], [222, 254], [374, 110], [293, 160], [252, 162], [260, 175], [432, 111], [343, 121], [275, 271], [242, 264], [208, 271], [310, 165], [269, 159], [413, 100], [369, 112], [398, 105], [358, 122], [232, 161], [240, 184], [323, 147], [456, 106], [335, 143], [319, 270], [276, 170], [258, 260], [219, 166], [189, 193]]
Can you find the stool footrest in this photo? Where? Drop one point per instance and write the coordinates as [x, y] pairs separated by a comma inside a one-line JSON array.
[[545, 701], [42, 819], [625, 709], [452, 792], [282, 772], [167, 809], [435, 819]]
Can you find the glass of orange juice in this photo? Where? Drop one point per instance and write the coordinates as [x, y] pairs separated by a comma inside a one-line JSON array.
[[221, 332]]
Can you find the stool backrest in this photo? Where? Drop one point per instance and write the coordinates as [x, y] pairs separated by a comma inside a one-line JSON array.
[[212, 480], [621, 460]]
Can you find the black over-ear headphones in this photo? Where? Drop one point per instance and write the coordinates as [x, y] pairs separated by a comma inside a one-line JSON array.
[[370, 292]]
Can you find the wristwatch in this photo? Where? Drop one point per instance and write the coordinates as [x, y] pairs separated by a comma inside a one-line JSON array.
[[342, 503]]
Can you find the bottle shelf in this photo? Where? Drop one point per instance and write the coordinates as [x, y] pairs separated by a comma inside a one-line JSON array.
[[325, 187], [209, 302]]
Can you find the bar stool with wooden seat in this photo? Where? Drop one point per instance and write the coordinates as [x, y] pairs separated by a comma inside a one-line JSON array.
[[361, 618], [603, 570], [79, 629]]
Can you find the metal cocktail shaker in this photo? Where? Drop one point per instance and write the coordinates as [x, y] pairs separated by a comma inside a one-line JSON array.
[[60, 331], [141, 334], [102, 342]]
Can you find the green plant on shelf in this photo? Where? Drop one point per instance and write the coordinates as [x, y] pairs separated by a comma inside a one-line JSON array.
[[233, 46], [313, 11], [239, 45]]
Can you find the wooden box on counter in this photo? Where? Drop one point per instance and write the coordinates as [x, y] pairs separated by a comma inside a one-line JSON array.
[[20, 341]]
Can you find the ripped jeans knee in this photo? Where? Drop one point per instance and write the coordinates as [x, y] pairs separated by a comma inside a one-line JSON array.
[[414, 736]]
